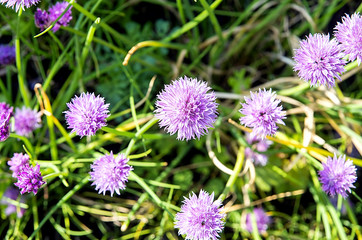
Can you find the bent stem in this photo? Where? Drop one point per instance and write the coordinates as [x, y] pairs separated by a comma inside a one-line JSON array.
[[232, 178]]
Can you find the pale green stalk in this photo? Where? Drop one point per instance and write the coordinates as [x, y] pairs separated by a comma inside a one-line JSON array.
[[22, 84]]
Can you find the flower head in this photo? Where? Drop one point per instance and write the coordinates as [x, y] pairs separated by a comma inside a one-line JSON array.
[[5, 114], [18, 162], [86, 114], [19, 3], [262, 113], [13, 194], [349, 34], [110, 173], [200, 217], [7, 54], [29, 179], [260, 145], [26, 121], [262, 220], [41, 19], [337, 176], [186, 107], [319, 60], [56, 10]]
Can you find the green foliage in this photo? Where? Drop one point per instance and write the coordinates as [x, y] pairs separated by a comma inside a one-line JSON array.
[[236, 46]]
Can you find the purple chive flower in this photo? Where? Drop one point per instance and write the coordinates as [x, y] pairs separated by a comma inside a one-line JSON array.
[[56, 10], [262, 113], [260, 145], [337, 176], [29, 179], [262, 220], [186, 107], [18, 162], [7, 54], [26, 121], [5, 114], [200, 217], [319, 60], [12, 193], [19, 3], [86, 114], [41, 19], [349, 34], [110, 173]]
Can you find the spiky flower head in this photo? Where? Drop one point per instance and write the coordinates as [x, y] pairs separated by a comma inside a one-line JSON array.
[[349, 34], [5, 114], [185, 106], [200, 217], [86, 114], [262, 113], [110, 173], [7, 54], [41, 19], [338, 175], [56, 10], [319, 60], [13, 194], [260, 145], [29, 179], [19, 3], [26, 121], [262, 220], [18, 162]]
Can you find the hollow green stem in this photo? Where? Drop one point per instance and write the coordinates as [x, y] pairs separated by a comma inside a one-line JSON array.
[[22, 85], [147, 126], [233, 177]]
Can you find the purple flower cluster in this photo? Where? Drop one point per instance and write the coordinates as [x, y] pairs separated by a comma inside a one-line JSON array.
[[43, 19], [262, 220], [7, 54], [349, 34], [26, 121], [200, 217], [337, 176], [19, 3], [86, 114], [29, 178], [110, 173], [186, 107], [5, 114], [260, 145], [12, 194], [18, 162], [262, 113], [319, 60]]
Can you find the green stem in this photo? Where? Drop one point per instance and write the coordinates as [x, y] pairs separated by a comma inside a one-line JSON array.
[[27, 144], [213, 19], [186, 27], [147, 126], [105, 26], [56, 20], [150, 192], [234, 176], [35, 215], [60, 203], [22, 86]]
